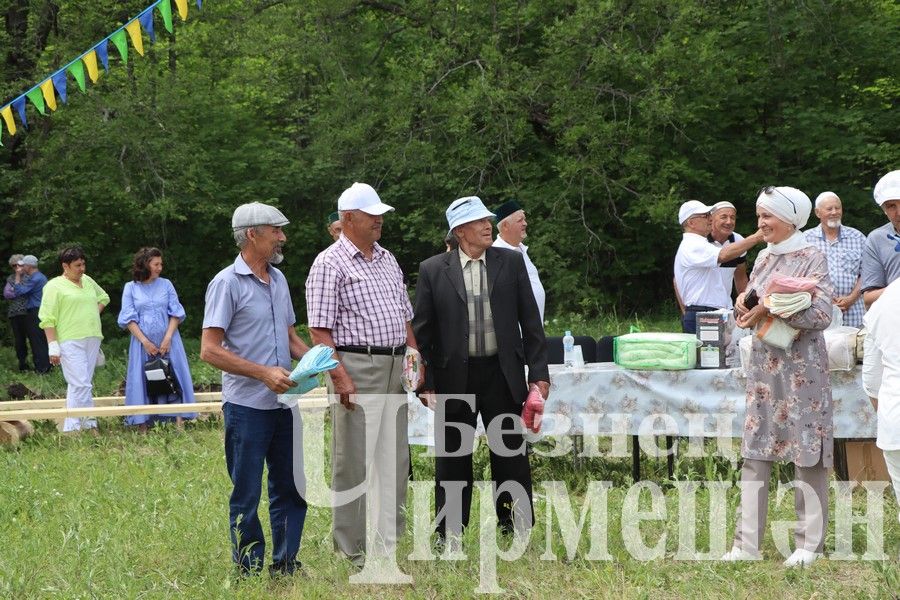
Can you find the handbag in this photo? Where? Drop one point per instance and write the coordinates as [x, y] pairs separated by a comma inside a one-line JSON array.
[[160, 379]]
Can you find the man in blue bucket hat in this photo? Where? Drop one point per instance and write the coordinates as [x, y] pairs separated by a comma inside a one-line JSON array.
[[478, 325]]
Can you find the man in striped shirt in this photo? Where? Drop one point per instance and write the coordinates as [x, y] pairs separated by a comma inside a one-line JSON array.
[[357, 303]]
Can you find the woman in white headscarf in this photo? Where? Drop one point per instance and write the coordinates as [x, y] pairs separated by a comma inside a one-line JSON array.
[[789, 408]]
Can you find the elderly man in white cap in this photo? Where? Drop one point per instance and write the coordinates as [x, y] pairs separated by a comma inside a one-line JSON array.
[[478, 326], [699, 284], [881, 258], [843, 247], [511, 232], [248, 333], [357, 303], [723, 220]]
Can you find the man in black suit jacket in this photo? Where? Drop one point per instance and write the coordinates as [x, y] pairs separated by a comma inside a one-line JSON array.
[[477, 345]]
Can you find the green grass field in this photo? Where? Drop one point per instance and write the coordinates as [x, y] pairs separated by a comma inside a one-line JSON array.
[[131, 516]]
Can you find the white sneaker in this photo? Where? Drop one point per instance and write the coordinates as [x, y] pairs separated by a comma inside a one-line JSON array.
[[736, 554], [802, 558]]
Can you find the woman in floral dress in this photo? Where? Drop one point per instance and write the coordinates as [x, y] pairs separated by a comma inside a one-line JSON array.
[[789, 408]]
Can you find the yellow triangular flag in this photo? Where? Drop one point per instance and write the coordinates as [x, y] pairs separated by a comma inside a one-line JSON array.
[[182, 9], [134, 31], [90, 61], [49, 95], [8, 117]]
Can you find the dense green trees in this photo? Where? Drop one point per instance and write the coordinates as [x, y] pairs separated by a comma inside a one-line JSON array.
[[600, 116]]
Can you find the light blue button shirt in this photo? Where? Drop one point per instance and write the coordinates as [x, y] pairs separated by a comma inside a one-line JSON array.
[[255, 317]]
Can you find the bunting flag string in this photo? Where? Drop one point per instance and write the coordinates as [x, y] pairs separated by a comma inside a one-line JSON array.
[[43, 95]]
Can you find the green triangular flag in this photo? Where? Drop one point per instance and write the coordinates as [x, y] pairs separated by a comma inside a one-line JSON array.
[[118, 38], [37, 98], [165, 9], [77, 71]]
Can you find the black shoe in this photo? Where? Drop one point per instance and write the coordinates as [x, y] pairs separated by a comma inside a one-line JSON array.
[[285, 569]]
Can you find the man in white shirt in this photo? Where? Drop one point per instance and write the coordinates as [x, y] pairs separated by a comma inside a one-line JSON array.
[[881, 374], [723, 218], [511, 225], [698, 280]]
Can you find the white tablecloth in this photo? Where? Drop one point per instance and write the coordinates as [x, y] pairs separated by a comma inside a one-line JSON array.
[[605, 399]]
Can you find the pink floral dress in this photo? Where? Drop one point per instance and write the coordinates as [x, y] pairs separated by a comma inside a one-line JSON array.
[[789, 409]]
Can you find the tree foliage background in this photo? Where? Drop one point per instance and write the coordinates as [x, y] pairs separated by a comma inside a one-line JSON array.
[[600, 116]]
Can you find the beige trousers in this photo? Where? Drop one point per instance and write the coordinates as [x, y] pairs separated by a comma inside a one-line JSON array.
[[812, 517], [370, 448]]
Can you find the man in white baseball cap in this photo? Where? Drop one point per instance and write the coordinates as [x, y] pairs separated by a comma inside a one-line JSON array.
[[356, 303], [698, 282], [881, 257]]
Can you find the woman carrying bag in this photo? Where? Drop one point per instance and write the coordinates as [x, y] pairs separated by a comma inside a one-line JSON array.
[[789, 407], [151, 312]]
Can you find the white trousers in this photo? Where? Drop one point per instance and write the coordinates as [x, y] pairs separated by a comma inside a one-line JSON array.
[[892, 458], [78, 359]]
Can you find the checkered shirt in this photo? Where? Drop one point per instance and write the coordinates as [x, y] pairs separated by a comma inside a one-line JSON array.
[[844, 263], [363, 302]]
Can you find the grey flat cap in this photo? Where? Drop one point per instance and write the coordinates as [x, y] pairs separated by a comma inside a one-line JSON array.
[[30, 260], [257, 213]]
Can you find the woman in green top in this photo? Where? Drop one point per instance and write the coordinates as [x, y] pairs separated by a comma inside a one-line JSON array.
[[70, 317]]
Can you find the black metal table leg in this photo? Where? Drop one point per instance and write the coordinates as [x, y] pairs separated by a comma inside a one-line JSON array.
[[635, 458]]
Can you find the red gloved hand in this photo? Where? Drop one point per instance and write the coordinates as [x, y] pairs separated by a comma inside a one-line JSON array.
[[533, 410]]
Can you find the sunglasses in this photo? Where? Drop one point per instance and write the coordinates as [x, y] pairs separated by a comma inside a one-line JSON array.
[[771, 189]]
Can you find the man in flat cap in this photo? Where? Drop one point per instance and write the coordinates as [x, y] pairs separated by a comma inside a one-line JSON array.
[[334, 225], [511, 232], [357, 303], [881, 257], [478, 326], [699, 285], [248, 333], [843, 247]]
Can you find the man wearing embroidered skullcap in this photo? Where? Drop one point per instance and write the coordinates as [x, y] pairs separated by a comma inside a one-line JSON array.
[[723, 220], [511, 231], [248, 333], [699, 284], [843, 247], [357, 303], [478, 326], [334, 225], [881, 257]]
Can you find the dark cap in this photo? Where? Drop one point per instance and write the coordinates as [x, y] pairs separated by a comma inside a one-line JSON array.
[[506, 209]]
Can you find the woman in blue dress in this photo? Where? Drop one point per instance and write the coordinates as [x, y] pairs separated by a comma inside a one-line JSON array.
[[151, 312]]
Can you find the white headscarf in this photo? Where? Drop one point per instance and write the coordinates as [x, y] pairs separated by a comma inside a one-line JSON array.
[[791, 206]]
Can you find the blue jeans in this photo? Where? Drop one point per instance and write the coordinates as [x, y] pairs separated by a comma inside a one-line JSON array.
[[251, 437]]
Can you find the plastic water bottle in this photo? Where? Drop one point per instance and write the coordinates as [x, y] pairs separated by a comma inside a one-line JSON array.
[[569, 350]]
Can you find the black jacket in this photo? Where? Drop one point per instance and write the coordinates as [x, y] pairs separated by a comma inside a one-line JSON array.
[[441, 322]]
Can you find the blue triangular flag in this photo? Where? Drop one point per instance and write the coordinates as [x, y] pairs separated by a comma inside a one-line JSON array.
[[146, 20], [200, 4], [59, 82], [19, 105], [100, 49]]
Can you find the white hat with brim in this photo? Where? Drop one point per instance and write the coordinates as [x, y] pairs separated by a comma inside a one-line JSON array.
[[255, 214], [362, 196], [887, 188], [692, 208], [465, 210]]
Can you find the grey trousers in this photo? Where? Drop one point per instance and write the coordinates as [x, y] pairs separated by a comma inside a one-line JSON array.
[[754, 506], [370, 449]]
